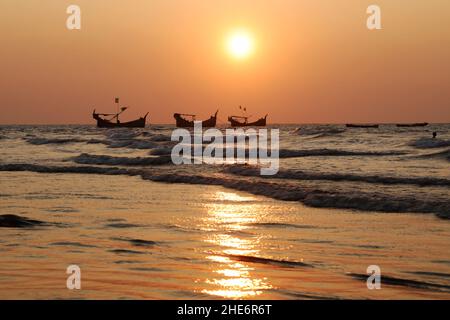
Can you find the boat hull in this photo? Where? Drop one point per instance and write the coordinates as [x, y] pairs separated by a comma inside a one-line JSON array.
[[183, 123], [409, 125], [102, 123], [362, 126], [258, 123]]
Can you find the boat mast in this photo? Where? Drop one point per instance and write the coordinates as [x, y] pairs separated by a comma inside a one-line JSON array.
[[117, 114]]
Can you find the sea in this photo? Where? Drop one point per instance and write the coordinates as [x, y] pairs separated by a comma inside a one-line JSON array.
[[112, 202]]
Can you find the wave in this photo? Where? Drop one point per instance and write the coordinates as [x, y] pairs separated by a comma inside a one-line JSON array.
[[288, 153], [122, 225], [63, 169], [441, 154], [301, 175], [314, 197], [114, 140], [318, 132], [125, 251], [132, 144], [138, 242], [42, 141], [72, 244], [281, 262], [160, 138], [389, 280], [305, 295], [279, 225], [161, 151], [122, 134], [426, 143], [86, 158], [14, 221], [431, 274]]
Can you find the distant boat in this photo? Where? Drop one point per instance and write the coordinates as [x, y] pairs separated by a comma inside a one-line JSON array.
[[349, 125], [182, 122], [114, 121], [420, 124], [234, 120]]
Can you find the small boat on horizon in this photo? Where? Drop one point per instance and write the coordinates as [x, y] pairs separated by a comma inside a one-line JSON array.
[[234, 120], [182, 122], [408, 125], [110, 123], [350, 125]]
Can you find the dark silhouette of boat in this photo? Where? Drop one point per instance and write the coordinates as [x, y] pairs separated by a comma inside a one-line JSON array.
[[185, 123], [114, 122], [408, 125], [103, 123], [234, 120], [349, 125]]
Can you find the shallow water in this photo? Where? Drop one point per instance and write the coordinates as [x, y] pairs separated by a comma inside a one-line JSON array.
[[156, 231], [139, 239]]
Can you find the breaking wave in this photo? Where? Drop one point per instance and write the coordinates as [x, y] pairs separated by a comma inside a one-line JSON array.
[[287, 153], [314, 197], [114, 140], [426, 143], [301, 175], [442, 154], [318, 132]]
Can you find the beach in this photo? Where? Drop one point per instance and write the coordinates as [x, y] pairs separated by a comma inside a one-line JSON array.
[[139, 227]]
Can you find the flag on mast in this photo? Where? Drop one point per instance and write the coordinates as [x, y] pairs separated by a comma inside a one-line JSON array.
[[117, 100]]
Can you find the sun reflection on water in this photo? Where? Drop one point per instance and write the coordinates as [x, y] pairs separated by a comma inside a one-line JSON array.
[[227, 219]]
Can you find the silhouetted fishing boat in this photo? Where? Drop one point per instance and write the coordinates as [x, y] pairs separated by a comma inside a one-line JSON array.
[[349, 125], [185, 123], [421, 124], [114, 122], [234, 120]]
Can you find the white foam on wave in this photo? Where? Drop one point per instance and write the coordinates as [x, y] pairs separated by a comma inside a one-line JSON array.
[[302, 175], [425, 143], [318, 132], [289, 153], [359, 200]]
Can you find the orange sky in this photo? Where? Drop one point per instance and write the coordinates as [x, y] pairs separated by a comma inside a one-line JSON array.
[[314, 60]]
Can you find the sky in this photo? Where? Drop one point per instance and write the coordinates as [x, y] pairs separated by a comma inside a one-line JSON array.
[[313, 61]]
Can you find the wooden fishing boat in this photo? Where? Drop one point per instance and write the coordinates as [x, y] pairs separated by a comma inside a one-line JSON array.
[[182, 122], [407, 125], [114, 121], [349, 125], [234, 120], [103, 123]]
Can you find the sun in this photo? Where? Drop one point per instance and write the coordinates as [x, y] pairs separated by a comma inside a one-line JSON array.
[[240, 44]]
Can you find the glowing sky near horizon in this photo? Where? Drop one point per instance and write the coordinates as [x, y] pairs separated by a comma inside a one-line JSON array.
[[310, 61]]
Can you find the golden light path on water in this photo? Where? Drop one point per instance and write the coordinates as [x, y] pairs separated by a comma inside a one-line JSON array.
[[226, 218]]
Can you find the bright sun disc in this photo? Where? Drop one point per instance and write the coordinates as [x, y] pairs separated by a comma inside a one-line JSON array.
[[240, 45]]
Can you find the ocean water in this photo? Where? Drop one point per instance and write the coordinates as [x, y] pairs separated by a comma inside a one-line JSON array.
[[112, 202]]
